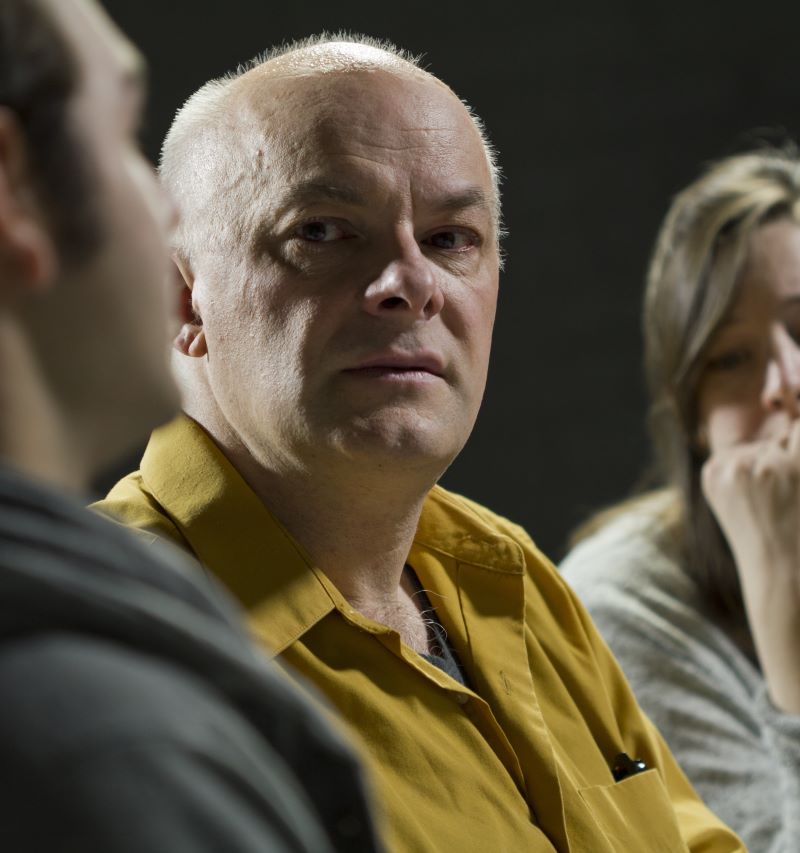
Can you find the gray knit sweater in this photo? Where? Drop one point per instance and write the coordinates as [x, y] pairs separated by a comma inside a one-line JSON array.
[[707, 698]]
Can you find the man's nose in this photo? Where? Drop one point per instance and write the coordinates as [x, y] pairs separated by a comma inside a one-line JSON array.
[[782, 383], [407, 285]]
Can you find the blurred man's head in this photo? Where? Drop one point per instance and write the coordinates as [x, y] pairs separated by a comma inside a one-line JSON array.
[[83, 229], [341, 242]]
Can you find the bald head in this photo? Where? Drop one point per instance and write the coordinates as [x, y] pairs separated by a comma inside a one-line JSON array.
[[321, 55], [224, 140]]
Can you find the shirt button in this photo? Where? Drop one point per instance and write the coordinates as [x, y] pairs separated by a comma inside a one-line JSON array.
[[462, 698]]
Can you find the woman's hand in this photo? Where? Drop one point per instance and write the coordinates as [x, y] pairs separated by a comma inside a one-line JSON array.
[[754, 491]]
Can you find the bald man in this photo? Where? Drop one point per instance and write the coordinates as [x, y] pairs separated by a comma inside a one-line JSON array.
[[340, 253]]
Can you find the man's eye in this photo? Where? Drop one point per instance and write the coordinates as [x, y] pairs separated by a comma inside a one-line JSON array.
[[322, 231], [453, 241]]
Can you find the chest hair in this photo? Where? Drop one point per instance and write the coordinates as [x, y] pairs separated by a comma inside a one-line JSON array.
[[401, 615]]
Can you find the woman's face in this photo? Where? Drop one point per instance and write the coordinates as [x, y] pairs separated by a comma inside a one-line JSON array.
[[750, 380]]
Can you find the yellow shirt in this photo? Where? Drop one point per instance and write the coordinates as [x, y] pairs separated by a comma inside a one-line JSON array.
[[520, 762]]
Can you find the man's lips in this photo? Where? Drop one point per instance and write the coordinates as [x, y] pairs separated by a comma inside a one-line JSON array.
[[399, 363]]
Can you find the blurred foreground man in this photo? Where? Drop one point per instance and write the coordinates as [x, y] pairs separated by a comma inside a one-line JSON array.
[[134, 714], [340, 252]]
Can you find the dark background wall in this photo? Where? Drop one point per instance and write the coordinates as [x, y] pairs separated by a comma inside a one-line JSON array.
[[600, 112]]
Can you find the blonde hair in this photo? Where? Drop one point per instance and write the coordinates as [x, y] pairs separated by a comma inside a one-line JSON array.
[[692, 283]]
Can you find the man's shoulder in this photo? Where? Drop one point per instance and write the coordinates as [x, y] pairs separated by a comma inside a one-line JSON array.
[[551, 604], [464, 517], [159, 740], [472, 511], [131, 503], [80, 671]]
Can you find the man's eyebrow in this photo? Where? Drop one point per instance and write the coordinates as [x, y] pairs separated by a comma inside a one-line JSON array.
[[472, 197], [311, 191]]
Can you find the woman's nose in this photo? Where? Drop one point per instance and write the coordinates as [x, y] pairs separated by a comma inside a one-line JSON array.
[[782, 382]]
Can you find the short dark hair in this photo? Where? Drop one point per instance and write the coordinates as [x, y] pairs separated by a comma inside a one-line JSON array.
[[38, 77]]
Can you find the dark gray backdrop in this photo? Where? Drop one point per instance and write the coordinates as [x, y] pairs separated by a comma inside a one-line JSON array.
[[600, 113]]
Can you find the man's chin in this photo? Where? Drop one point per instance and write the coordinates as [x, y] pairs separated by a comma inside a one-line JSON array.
[[397, 442]]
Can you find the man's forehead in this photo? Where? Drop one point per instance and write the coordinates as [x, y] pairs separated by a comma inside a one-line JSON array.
[[347, 135], [348, 107]]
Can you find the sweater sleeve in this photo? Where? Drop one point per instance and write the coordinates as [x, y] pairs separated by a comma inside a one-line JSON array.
[[702, 693], [782, 738]]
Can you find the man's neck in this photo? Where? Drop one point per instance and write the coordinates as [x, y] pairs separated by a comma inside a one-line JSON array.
[[361, 542], [358, 535], [32, 435], [359, 531], [357, 523]]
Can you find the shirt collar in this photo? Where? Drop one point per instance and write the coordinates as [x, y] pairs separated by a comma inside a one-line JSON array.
[[239, 540]]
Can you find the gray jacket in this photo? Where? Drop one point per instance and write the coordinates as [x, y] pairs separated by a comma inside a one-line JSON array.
[[135, 715]]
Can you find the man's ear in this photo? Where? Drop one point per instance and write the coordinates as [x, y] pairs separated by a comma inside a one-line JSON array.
[[191, 339], [28, 257]]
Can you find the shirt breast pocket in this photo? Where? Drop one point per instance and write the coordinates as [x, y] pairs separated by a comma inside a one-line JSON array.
[[635, 814]]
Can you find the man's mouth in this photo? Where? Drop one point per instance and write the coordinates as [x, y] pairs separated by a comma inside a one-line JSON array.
[[409, 366]]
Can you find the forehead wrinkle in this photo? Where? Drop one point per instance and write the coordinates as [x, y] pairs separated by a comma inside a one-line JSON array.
[[337, 139], [313, 140], [425, 138], [308, 192], [261, 93], [312, 191], [264, 95]]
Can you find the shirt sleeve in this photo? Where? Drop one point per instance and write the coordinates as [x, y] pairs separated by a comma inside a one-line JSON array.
[[110, 752], [167, 797], [742, 755]]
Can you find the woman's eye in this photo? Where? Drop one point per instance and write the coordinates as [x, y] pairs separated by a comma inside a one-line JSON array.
[[322, 231], [453, 241], [730, 360]]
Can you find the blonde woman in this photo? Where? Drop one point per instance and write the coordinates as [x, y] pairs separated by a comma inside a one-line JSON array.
[[696, 586]]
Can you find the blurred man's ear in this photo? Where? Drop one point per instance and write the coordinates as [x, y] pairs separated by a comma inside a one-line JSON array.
[[191, 339], [28, 257]]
